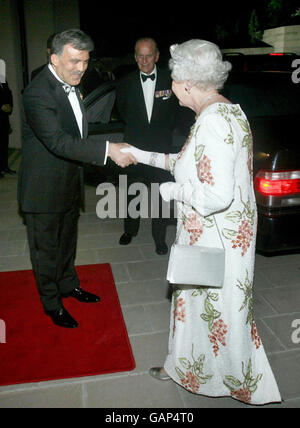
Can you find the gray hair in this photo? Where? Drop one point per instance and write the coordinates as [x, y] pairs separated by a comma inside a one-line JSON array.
[[200, 63], [148, 40], [74, 37]]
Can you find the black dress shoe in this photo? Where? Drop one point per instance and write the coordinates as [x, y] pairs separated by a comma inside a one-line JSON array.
[[62, 318], [125, 239], [161, 249], [82, 296]]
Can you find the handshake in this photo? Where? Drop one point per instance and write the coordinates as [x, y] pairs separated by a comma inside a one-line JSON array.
[[121, 158], [123, 155]]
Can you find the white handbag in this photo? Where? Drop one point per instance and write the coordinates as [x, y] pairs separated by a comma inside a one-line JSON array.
[[195, 265]]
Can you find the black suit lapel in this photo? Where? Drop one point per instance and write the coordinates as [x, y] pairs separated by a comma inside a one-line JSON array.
[[67, 108], [160, 85], [139, 94]]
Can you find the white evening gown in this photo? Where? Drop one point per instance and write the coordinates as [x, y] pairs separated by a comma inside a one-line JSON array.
[[214, 346]]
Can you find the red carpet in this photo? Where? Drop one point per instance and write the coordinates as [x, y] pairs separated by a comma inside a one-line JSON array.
[[36, 350]]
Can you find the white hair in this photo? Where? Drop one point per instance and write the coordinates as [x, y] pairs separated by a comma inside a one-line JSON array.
[[200, 63]]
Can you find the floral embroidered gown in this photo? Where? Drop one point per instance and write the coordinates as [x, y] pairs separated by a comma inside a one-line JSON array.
[[214, 346]]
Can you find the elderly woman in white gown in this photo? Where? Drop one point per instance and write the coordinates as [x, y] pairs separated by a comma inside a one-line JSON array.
[[214, 346]]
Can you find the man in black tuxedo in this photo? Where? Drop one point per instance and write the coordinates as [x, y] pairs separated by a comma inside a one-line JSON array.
[[6, 106], [55, 142], [148, 108]]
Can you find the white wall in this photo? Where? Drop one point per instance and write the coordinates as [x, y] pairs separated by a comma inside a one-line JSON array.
[[281, 39], [42, 18], [284, 39], [39, 22]]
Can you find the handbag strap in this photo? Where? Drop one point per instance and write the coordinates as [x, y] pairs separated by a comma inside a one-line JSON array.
[[219, 233], [179, 232]]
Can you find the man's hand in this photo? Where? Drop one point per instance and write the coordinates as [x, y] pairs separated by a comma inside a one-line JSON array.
[[121, 159], [7, 108]]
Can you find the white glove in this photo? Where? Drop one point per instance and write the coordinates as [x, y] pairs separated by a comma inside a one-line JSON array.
[[148, 158], [179, 192], [169, 191]]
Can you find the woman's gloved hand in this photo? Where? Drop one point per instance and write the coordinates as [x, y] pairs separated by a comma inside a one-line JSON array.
[[170, 191]]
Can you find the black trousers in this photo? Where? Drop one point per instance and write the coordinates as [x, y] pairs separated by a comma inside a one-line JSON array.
[[161, 219], [158, 227], [52, 241]]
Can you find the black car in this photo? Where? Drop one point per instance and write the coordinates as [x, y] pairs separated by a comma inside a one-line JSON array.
[[271, 101], [275, 61]]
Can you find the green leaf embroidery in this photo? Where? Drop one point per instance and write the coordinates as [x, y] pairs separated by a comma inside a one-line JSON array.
[[199, 152], [185, 363], [229, 233], [234, 382], [234, 216], [243, 390], [208, 307], [180, 373], [205, 317], [244, 124], [194, 376], [208, 222], [197, 292], [213, 296]]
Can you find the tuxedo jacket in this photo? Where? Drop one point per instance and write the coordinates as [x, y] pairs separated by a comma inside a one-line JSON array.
[[5, 98], [52, 148], [158, 134]]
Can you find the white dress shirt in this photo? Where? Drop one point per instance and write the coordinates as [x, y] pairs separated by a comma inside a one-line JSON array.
[[76, 108], [148, 90], [73, 101]]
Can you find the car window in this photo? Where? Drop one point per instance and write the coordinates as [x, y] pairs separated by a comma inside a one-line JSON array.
[[266, 98], [94, 77]]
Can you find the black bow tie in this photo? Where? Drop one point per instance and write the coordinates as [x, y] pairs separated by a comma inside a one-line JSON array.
[[148, 76], [68, 89]]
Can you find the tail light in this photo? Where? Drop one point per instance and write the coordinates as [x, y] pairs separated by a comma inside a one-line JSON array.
[[278, 188], [278, 183]]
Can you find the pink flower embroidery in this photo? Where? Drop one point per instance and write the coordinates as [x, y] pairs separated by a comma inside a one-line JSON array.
[[194, 227], [255, 336], [244, 237], [242, 394], [204, 169], [218, 335], [190, 382], [179, 312]]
